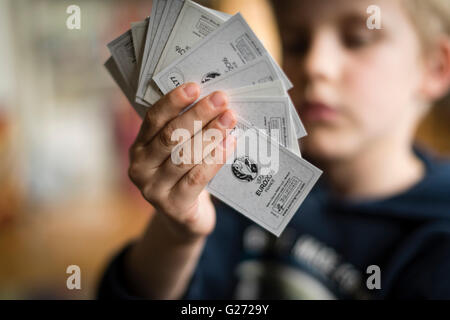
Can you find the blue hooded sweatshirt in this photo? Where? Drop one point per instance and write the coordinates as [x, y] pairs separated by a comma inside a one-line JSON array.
[[394, 248]]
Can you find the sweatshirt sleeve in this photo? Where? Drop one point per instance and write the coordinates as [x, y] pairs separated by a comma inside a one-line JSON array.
[[113, 284], [213, 278]]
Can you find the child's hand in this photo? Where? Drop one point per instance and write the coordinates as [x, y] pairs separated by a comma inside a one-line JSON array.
[[176, 190]]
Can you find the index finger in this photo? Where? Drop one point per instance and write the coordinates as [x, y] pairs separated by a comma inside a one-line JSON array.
[[166, 109]]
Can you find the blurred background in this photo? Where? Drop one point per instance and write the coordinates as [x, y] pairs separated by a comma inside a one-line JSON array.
[[65, 130]]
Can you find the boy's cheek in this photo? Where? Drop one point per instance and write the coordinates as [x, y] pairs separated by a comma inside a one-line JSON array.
[[337, 142], [374, 95], [378, 105], [383, 84]]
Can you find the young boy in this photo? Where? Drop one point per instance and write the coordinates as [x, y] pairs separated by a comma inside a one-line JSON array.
[[376, 226]]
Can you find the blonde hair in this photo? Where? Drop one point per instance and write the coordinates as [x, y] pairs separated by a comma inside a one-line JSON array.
[[430, 17]]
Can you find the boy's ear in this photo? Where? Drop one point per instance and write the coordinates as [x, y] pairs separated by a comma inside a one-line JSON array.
[[437, 74]]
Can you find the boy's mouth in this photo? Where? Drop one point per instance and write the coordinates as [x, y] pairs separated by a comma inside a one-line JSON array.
[[315, 111]]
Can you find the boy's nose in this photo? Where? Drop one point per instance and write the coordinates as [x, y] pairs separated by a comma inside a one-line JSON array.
[[323, 58]]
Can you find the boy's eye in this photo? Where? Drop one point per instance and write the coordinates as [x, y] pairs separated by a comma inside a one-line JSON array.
[[354, 33], [298, 46], [355, 40]]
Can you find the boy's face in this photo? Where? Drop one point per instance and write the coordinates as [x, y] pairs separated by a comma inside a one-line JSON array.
[[353, 87]]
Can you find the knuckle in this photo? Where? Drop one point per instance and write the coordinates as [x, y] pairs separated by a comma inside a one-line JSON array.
[[215, 132], [134, 172], [197, 111], [183, 166], [148, 191], [136, 151], [195, 178], [166, 137], [139, 174], [205, 107], [152, 119], [177, 98], [216, 125]]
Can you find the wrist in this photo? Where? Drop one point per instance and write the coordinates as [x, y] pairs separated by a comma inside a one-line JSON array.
[[178, 232]]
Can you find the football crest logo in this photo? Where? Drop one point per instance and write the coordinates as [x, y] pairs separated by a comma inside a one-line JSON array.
[[244, 169]]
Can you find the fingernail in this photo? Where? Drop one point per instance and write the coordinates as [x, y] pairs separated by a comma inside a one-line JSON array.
[[226, 119], [218, 99], [191, 90]]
